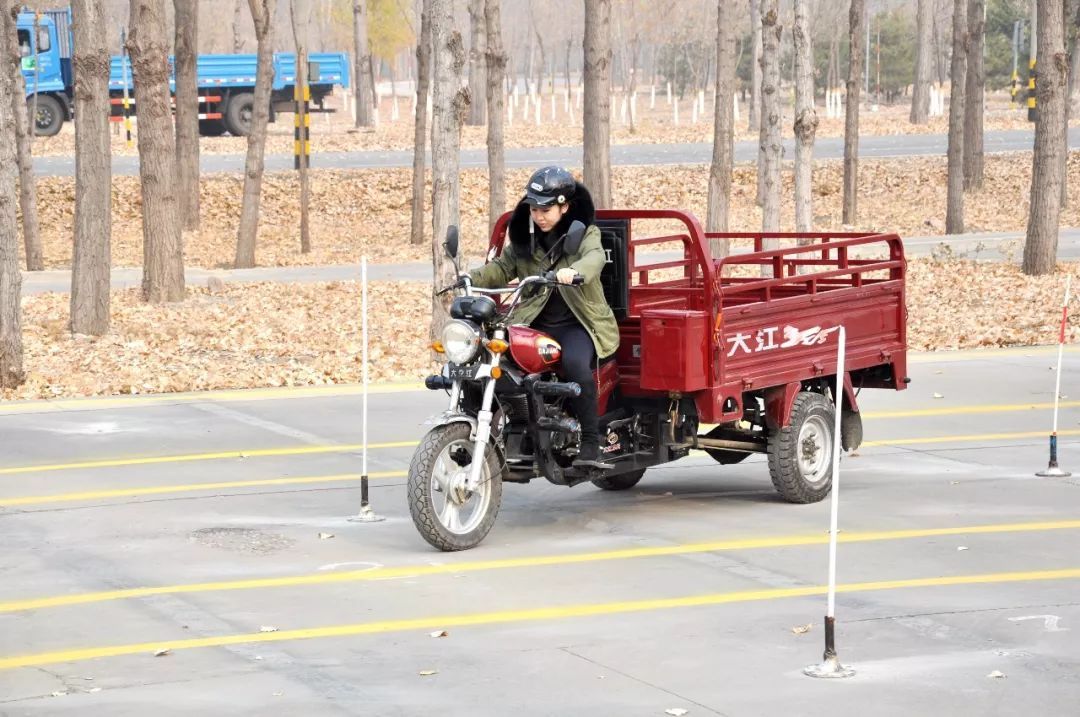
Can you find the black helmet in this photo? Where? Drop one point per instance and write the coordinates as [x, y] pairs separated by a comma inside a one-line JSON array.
[[550, 185]]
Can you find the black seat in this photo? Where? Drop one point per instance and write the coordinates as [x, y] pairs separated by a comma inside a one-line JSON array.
[[615, 277]]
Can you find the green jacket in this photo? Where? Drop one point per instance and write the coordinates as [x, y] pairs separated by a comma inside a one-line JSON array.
[[587, 301]]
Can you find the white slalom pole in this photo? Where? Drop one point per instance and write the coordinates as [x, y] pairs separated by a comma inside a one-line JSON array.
[[830, 664], [1053, 470], [366, 515], [652, 97]]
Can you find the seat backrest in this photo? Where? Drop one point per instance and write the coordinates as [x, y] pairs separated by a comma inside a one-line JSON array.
[[615, 277]]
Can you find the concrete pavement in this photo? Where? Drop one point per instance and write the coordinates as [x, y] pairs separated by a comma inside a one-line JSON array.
[[198, 525]]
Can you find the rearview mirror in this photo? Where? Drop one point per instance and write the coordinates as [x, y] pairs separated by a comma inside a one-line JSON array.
[[451, 243]]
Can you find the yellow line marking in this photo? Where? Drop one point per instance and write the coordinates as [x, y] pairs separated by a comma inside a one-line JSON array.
[[139, 492], [181, 458], [964, 410], [968, 438], [529, 615], [784, 541], [187, 488], [307, 450], [238, 395]]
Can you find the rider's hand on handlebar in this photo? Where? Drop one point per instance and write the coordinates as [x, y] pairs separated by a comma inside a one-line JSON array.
[[566, 276]]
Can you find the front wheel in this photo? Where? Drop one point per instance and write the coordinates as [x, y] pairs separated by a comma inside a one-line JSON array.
[[449, 516], [50, 115], [800, 454]]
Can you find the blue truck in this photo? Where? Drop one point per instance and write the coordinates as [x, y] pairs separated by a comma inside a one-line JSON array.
[[226, 82]]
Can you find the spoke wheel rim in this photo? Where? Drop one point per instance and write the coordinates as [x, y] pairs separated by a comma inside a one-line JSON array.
[[459, 511], [814, 451]]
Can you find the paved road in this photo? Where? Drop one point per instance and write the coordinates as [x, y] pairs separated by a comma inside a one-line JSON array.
[[994, 246], [680, 593], [701, 153]]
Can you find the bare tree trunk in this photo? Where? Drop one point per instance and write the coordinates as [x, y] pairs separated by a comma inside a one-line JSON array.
[[597, 120], [262, 14], [974, 88], [723, 156], [450, 103], [1048, 169], [361, 64], [11, 346], [954, 209], [477, 91], [23, 140], [300, 13], [237, 41], [851, 118], [187, 111], [163, 250], [496, 68], [752, 119], [90, 280], [423, 80], [920, 95], [771, 31], [806, 119]]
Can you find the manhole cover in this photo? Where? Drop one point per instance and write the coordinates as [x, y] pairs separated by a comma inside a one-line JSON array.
[[241, 540]]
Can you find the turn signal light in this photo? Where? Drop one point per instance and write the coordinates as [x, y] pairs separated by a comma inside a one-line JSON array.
[[497, 346], [437, 347], [496, 372]]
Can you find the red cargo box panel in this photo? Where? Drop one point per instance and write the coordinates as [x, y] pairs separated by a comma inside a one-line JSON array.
[[674, 350]]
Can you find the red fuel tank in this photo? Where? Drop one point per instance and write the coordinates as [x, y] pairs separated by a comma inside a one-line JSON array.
[[534, 350]]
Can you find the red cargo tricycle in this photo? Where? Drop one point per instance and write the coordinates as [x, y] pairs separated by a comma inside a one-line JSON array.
[[731, 356]]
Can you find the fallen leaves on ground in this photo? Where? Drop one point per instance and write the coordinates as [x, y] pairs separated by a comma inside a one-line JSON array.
[[265, 335], [358, 212]]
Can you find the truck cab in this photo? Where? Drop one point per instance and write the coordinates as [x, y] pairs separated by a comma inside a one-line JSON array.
[[46, 67]]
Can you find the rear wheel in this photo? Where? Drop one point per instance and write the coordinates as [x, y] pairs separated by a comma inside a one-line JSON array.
[[800, 455], [238, 114], [50, 115], [623, 481], [449, 516]]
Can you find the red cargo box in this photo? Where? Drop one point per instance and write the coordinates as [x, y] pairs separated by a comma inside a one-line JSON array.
[[674, 350]]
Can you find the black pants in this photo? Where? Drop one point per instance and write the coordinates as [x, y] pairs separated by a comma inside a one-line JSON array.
[[578, 362]]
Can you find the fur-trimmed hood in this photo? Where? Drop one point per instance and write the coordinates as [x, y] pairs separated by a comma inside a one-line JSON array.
[[581, 209]]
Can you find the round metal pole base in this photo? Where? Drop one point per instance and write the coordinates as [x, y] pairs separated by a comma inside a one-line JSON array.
[[366, 515], [829, 667], [1053, 471]]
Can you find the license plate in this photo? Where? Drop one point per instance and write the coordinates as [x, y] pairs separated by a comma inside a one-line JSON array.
[[465, 373]]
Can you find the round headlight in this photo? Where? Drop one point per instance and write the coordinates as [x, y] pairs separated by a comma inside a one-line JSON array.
[[461, 341]]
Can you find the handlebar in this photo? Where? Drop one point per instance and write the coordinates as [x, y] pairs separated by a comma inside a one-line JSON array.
[[547, 279]]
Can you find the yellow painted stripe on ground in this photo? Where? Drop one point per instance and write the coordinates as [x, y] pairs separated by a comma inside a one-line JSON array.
[[140, 492], [783, 541], [307, 450], [968, 438], [228, 395], [965, 410], [187, 488], [530, 615], [185, 457]]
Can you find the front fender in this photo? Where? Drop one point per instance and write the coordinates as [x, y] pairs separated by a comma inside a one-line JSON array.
[[447, 417]]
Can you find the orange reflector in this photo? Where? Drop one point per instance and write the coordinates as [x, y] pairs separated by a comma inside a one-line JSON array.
[[437, 347], [496, 372], [497, 346]]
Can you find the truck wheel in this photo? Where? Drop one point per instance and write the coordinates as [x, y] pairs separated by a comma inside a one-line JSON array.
[[800, 455], [50, 115], [447, 515], [211, 128], [238, 114], [623, 481]]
